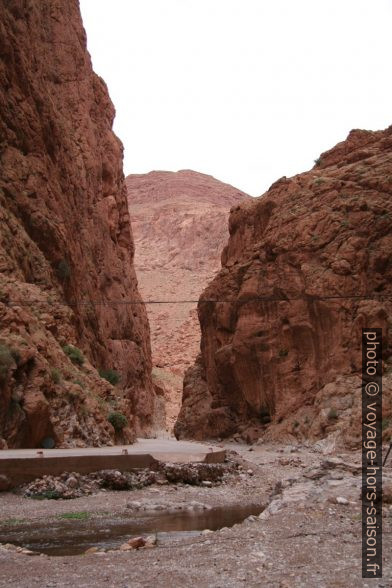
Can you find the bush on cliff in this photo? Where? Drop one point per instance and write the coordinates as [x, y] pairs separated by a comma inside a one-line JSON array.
[[6, 360], [63, 270], [111, 376], [117, 420], [74, 354]]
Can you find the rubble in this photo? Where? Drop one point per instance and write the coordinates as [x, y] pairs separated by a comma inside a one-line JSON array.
[[74, 485]]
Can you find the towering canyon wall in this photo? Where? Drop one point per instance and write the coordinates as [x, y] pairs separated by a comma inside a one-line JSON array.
[[179, 222], [66, 258], [307, 265]]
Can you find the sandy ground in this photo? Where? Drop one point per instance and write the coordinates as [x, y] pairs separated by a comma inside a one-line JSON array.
[[305, 536]]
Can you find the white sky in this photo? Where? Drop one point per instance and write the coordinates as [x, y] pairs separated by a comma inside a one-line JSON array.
[[244, 90]]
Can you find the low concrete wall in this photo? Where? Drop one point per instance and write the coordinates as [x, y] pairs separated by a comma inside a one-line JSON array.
[[215, 457], [24, 469]]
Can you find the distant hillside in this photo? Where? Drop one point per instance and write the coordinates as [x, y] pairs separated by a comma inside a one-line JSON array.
[[180, 226]]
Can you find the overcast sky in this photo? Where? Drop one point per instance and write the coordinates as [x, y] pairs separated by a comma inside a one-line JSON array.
[[244, 90]]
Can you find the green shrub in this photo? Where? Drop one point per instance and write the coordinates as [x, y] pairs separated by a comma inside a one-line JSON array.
[[74, 354], [295, 424], [283, 352], [117, 420], [63, 270], [111, 376], [332, 414], [55, 374], [80, 384], [6, 360], [47, 495], [78, 516], [385, 424]]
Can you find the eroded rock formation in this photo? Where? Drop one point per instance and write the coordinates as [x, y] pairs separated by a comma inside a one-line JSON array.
[[66, 258], [307, 265], [179, 221]]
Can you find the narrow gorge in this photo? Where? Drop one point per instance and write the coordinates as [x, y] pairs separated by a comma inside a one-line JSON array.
[[183, 399], [179, 221]]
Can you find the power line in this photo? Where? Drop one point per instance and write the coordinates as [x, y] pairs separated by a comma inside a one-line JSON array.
[[304, 297]]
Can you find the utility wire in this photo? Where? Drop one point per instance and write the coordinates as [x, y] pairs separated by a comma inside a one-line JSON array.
[[305, 297]]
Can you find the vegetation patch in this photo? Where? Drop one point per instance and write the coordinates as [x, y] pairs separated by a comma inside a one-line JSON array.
[[6, 360], [111, 376], [55, 374], [74, 516], [80, 383], [332, 414], [118, 420], [47, 495], [63, 270], [74, 354]]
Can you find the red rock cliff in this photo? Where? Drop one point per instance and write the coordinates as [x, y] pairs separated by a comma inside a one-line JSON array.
[[66, 258], [179, 222], [307, 265]]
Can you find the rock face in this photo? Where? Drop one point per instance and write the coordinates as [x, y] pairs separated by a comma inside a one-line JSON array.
[[179, 221], [307, 265], [66, 258]]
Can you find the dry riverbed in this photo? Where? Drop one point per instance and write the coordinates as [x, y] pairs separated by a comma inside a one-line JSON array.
[[308, 533]]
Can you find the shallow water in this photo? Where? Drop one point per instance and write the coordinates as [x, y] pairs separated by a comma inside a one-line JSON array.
[[73, 537]]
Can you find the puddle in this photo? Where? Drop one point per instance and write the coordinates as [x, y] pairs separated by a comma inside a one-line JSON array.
[[74, 537]]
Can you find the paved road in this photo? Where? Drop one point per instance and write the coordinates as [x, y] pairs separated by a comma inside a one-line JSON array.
[[187, 450]]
